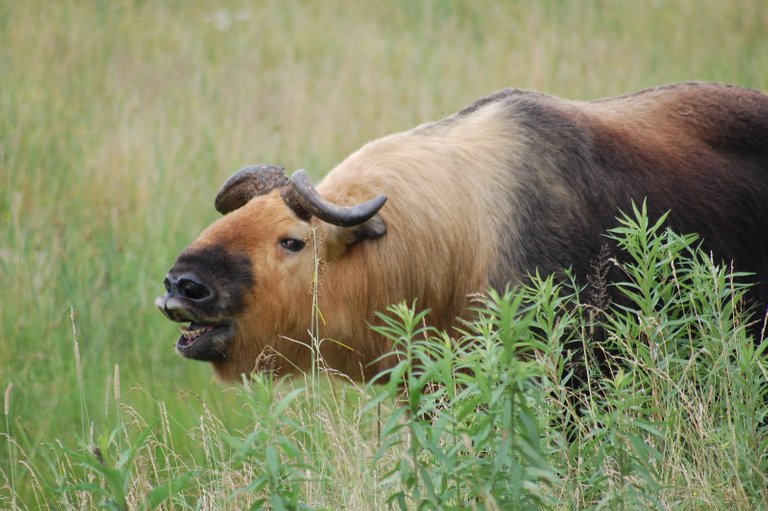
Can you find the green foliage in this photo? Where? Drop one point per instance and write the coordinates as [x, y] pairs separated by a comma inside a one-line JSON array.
[[272, 450], [469, 428], [112, 483]]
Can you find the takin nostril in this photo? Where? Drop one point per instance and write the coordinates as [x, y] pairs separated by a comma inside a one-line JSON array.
[[192, 290]]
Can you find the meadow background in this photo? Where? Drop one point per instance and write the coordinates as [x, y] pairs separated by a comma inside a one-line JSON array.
[[118, 122]]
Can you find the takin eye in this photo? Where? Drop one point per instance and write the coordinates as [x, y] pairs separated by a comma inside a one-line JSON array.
[[292, 244]]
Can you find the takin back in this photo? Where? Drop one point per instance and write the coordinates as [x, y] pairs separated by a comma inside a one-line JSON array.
[[517, 182]]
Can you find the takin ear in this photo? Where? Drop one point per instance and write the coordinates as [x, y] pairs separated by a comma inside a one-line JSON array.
[[340, 238]]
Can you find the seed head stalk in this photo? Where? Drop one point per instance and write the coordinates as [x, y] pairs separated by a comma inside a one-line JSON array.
[[84, 418], [8, 438], [315, 319]]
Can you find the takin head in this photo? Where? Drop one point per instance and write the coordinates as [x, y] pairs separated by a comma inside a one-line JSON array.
[[246, 282]]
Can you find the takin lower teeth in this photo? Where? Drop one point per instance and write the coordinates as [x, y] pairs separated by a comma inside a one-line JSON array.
[[190, 334]]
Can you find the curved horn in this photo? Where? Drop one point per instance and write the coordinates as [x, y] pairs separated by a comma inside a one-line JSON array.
[[247, 183], [302, 191]]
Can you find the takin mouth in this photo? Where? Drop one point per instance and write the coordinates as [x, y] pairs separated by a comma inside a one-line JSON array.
[[203, 341]]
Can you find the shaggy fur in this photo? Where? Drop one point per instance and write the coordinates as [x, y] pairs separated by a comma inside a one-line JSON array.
[[516, 182]]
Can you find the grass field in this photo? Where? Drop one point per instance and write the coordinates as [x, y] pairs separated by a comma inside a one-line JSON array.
[[119, 120]]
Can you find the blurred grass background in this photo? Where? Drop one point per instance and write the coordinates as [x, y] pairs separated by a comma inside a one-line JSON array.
[[118, 121]]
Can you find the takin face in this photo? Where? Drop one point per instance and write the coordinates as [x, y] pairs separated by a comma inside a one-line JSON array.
[[245, 284]]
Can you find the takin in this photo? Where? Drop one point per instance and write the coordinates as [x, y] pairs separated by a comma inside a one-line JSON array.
[[515, 183]]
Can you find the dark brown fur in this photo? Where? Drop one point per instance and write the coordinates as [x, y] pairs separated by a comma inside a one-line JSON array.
[[699, 150]]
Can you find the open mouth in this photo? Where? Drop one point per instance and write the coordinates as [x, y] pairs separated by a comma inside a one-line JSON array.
[[191, 333], [202, 341]]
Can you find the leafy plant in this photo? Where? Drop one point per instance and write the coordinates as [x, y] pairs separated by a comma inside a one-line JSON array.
[[272, 451], [111, 482], [469, 424]]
